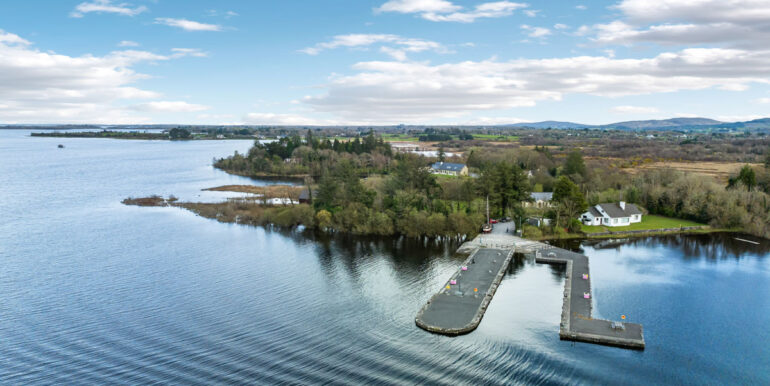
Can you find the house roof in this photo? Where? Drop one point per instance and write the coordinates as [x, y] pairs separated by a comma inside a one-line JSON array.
[[447, 166], [614, 210], [541, 196], [594, 212]]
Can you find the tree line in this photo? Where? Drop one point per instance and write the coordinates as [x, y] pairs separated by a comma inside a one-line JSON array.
[[365, 188]]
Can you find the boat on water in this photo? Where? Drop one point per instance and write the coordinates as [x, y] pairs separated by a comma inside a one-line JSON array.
[[61, 146]]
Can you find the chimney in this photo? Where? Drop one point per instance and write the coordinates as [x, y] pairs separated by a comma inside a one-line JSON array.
[[623, 205]]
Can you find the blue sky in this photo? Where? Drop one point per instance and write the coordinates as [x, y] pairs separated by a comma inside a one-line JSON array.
[[382, 61]]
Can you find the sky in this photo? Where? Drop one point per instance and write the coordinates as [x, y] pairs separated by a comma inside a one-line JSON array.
[[382, 62]]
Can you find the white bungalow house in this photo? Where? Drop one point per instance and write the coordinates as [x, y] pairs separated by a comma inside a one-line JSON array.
[[612, 215], [449, 169], [539, 200]]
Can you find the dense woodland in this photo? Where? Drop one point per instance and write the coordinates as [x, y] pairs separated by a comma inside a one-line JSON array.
[[298, 156], [363, 187]]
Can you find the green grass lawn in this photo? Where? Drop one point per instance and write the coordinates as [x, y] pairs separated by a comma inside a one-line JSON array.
[[399, 137], [649, 222]]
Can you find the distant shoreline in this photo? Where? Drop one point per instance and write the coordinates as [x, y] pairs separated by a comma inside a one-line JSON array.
[[139, 135]]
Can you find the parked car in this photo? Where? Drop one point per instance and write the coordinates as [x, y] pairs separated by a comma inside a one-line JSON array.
[[493, 221]]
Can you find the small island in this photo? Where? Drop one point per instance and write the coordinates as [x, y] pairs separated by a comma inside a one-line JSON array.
[[168, 134]]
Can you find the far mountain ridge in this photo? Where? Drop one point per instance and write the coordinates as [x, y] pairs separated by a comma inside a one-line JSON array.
[[664, 123], [551, 124], [653, 124]]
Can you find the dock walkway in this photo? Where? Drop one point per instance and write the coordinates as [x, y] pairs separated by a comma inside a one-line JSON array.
[[458, 310], [576, 321]]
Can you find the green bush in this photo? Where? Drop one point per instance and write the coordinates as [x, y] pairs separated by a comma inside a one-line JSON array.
[[531, 232], [574, 225], [559, 232]]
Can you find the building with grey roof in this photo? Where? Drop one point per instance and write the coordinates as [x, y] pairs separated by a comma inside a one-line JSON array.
[[449, 168], [539, 199], [612, 214]]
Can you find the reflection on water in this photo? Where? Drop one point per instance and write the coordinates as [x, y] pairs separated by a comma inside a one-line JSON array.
[[97, 292]]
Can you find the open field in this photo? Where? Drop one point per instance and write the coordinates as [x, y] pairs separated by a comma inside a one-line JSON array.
[[399, 138], [649, 222], [719, 170]]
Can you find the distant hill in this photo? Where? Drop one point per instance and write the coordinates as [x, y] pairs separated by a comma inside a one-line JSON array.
[[663, 124], [761, 123], [551, 124], [654, 124]]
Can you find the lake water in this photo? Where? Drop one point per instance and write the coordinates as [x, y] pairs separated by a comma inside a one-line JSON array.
[[92, 291]]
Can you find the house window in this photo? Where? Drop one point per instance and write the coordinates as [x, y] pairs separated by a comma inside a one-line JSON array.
[[614, 221]]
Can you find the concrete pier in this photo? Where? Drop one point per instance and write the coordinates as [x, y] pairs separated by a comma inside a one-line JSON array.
[[576, 321], [457, 309]]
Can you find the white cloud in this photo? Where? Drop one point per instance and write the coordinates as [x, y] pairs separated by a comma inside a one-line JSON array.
[[736, 23], [442, 10], [169, 106], [393, 45], [492, 121], [581, 7], [531, 13], [182, 52], [128, 43], [560, 26], [634, 110], [43, 86], [415, 92], [285, 120], [187, 25], [583, 30], [215, 116], [397, 54], [226, 14], [419, 6], [106, 6], [763, 100], [739, 11], [536, 32], [7, 38]]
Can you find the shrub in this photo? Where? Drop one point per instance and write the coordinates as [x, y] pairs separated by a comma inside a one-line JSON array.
[[531, 232], [323, 219]]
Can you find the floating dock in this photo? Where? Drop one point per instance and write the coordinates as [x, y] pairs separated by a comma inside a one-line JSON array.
[[458, 309], [459, 306]]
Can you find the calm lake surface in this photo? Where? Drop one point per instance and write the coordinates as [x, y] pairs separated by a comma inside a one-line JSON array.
[[92, 291]]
